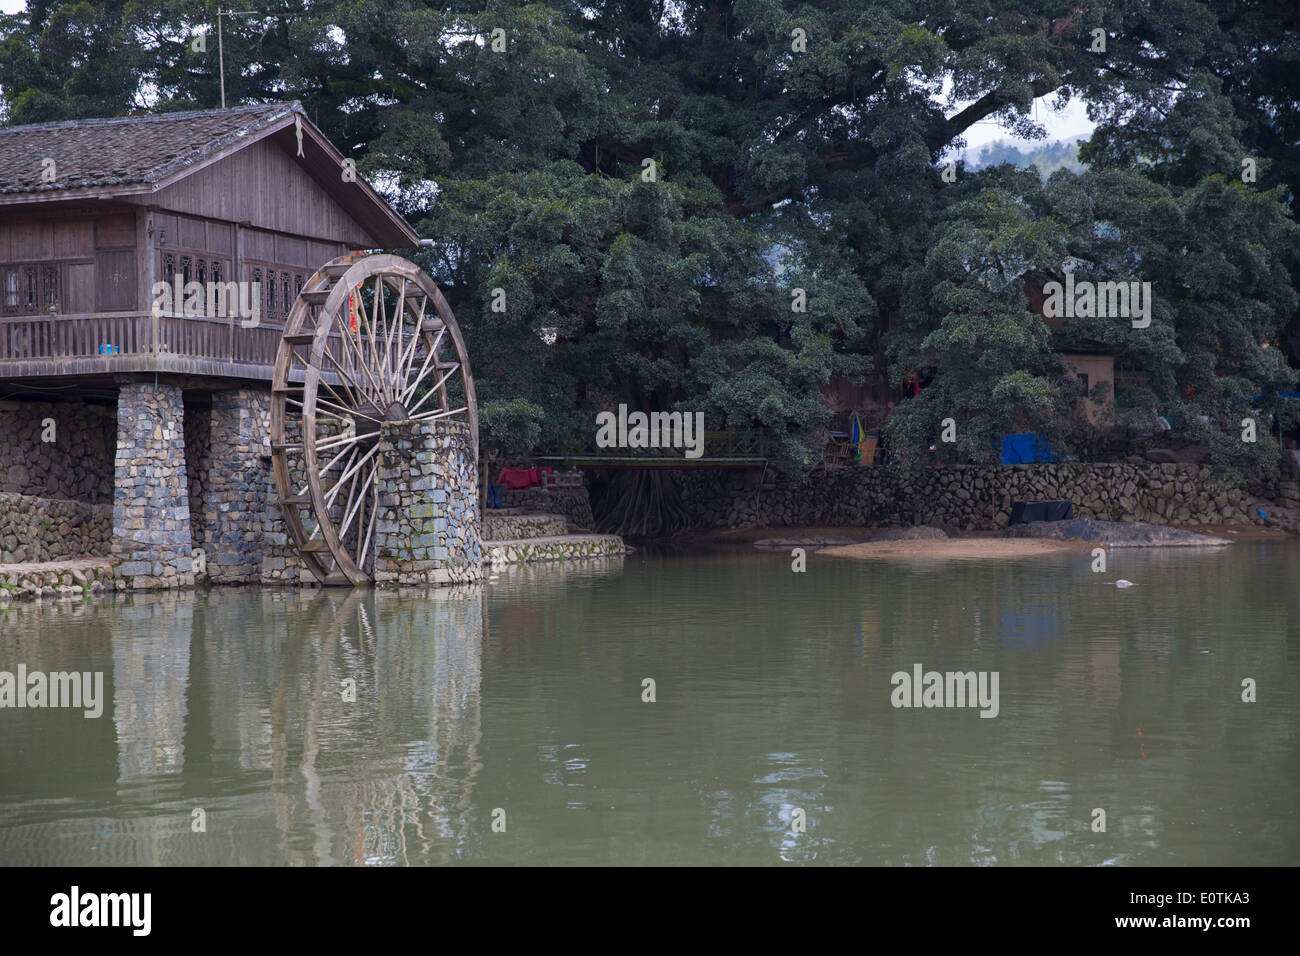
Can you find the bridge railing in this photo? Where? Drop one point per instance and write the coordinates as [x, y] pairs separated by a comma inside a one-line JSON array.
[[740, 445]]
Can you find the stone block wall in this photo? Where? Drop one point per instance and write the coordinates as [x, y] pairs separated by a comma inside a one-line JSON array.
[[508, 527], [235, 487], [77, 465], [976, 497], [280, 561], [151, 510], [46, 529], [427, 531], [198, 463], [570, 501]]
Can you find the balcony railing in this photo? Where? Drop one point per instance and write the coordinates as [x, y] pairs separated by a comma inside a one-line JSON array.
[[54, 344], [54, 336]]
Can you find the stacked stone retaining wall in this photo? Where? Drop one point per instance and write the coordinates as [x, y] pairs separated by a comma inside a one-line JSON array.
[[975, 497], [58, 450], [33, 528]]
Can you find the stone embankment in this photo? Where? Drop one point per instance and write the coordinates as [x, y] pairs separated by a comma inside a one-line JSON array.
[[514, 537], [566, 497], [969, 497], [73, 578]]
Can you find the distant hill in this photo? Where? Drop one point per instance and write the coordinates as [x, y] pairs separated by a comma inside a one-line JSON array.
[[1048, 158]]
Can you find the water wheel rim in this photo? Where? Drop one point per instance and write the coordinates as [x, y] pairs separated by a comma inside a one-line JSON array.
[[390, 388]]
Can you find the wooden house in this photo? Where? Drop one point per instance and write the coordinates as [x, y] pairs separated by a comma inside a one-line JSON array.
[[94, 213], [148, 412]]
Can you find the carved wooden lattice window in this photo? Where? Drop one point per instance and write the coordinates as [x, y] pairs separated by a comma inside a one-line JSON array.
[[279, 289], [49, 288], [187, 269], [169, 267], [29, 289]]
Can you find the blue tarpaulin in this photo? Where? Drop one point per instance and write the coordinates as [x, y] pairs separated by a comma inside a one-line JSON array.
[[1025, 448]]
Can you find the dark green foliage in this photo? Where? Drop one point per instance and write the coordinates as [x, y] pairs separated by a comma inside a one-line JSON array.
[[777, 170]]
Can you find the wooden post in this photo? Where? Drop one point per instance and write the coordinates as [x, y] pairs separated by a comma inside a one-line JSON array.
[[146, 268], [239, 277]]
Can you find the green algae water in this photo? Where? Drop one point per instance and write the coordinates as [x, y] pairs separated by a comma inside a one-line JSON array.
[[512, 723]]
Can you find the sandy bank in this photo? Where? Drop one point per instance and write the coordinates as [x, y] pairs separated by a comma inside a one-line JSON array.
[[957, 549]]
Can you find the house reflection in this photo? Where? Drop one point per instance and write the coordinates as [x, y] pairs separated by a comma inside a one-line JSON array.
[[360, 710]]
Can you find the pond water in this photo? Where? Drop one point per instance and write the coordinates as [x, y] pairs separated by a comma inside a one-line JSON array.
[[507, 723]]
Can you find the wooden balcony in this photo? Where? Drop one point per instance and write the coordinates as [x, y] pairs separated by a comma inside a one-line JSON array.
[[54, 345], [113, 343]]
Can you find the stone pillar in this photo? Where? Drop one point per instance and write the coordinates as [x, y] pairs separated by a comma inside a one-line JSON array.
[[427, 531], [235, 488], [281, 564], [151, 508]]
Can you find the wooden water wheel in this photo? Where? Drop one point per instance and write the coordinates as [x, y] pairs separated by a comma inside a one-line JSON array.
[[369, 340]]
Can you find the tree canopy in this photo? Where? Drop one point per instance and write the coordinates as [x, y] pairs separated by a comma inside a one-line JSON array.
[[625, 196]]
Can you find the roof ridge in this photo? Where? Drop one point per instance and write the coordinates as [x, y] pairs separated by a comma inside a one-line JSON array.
[[290, 106]]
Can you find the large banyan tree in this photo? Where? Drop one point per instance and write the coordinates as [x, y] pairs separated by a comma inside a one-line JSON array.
[[624, 197]]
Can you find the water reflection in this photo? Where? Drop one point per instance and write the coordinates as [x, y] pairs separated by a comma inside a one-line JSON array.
[[392, 727]]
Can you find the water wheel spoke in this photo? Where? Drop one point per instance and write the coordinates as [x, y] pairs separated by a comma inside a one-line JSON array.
[[343, 414], [351, 513], [356, 383], [380, 338], [352, 470], [435, 389], [394, 328], [347, 438], [440, 413], [366, 321], [347, 402], [305, 490], [407, 359], [364, 551], [431, 356], [347, 507], [348, 337]]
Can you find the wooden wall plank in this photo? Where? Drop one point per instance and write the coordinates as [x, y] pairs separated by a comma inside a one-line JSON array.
[[115, 232], [194, 233], [115, 279], [74, 238], [78, 287], [259, 244], [274, 192], [221, 238], [31, 239]]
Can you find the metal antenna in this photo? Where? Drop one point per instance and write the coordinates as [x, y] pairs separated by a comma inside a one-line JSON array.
[[221, 53]]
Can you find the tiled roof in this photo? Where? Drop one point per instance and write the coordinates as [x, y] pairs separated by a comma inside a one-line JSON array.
[[130, 150]]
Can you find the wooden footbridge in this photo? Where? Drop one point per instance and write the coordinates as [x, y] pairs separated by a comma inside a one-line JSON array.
[[733, 448]]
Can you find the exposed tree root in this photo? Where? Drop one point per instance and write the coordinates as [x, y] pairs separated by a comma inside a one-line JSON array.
[[642, 503]]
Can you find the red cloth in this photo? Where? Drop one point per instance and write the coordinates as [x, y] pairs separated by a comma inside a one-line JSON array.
[[515, 478]]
